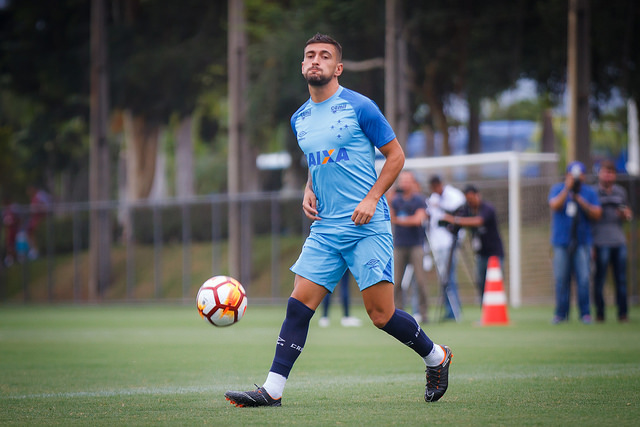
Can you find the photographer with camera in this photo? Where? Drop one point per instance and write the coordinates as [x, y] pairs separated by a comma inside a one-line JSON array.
[[480, 217], [610, 241], [443, 239], [574, 205]]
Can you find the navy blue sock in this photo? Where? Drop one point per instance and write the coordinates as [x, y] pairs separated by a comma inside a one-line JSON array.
[[403, 327], [293, 335]]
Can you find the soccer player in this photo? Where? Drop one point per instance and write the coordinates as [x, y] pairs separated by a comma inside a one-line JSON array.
[[338, 130]]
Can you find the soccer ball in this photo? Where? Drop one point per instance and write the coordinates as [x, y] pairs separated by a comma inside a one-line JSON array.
[[221, 301]]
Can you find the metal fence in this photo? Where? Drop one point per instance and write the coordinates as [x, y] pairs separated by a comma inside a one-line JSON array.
[[163, 250]]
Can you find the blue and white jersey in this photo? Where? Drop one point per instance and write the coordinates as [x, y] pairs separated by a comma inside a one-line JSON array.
[[338, 137]]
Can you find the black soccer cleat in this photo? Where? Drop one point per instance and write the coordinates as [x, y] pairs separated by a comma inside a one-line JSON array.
[[438, 378], [257, 397]]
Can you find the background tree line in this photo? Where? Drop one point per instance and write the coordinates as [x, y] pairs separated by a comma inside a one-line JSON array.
[[167, 68]]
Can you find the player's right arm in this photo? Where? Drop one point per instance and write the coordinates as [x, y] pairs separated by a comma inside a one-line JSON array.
[[309, 201], [394, 161]]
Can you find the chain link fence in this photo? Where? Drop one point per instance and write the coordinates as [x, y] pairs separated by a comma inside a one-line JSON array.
[[164, 250]]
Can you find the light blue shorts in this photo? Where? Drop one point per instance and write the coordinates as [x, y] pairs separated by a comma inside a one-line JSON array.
[[367, 251]]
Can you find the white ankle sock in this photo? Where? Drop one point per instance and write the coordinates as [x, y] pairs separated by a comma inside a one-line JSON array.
[[275, 385], [435, 357]]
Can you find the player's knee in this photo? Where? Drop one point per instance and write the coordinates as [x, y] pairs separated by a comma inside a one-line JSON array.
[[379, 317]]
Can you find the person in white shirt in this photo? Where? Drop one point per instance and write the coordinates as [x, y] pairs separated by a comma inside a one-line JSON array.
[[445, 199]]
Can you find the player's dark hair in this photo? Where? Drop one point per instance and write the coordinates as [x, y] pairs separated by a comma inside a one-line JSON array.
[[323, 38]]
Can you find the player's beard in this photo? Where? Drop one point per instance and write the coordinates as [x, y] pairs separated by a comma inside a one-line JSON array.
[[317, 80]]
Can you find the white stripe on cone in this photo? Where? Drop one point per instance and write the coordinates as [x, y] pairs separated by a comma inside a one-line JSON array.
[[494, 298], [494, 275]]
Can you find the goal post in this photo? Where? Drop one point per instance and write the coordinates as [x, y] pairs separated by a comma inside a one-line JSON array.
[[514, 162]]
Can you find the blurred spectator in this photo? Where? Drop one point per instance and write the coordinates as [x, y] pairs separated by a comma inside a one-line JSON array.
[[408, 215], [11, 224], [445, 199], [39, 203], [610, 242], [485, 237], [347, 320], [573, 206]]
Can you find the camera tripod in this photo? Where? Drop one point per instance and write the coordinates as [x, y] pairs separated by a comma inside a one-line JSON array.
[[446, 294]]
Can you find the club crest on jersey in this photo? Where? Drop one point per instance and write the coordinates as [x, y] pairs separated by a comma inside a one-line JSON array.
[[327, 156]]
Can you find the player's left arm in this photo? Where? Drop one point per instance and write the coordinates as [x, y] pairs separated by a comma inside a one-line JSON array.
[[394, 161]]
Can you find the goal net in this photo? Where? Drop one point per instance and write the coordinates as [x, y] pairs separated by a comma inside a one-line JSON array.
[[517, 185]]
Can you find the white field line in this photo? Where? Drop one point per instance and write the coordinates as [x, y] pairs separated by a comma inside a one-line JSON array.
[[121, 392], [303, 381]]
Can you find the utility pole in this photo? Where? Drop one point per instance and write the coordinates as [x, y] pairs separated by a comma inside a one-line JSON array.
[[99, 159], [579, 77]]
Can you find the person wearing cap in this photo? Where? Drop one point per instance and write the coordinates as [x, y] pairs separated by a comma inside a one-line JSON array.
[[480, 216], [574, 206], [610, 242]]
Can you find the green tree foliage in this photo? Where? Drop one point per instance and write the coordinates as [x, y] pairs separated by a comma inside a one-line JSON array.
[[44, 82], [278, 31], [615, 40], [168, 59], [544, 47], [160, 52]]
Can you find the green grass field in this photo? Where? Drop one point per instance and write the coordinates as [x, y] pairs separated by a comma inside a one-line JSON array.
[[162, 365]]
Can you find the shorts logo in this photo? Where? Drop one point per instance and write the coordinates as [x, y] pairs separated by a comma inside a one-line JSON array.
[[373, 263], [327, 156]]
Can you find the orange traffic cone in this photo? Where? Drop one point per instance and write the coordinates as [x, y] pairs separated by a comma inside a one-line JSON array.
[[494, 300]]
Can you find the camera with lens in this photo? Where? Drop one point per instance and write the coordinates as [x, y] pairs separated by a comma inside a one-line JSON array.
[[453, 228], [576, 172], [576, 186]]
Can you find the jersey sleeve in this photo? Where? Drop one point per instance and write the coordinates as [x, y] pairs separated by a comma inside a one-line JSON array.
[[372, 122]]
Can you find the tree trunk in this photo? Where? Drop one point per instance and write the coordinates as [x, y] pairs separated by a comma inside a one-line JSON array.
[[99, 162], [474, 146], [141, 140], [432, 96], [238, 78], [184, 159], [548, 142], [430, 149], [396, 97], [159, 187], [578, 79]]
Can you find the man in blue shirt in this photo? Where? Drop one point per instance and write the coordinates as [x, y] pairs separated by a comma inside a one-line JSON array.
[[408, 216], [338, 131], [573, 206]]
